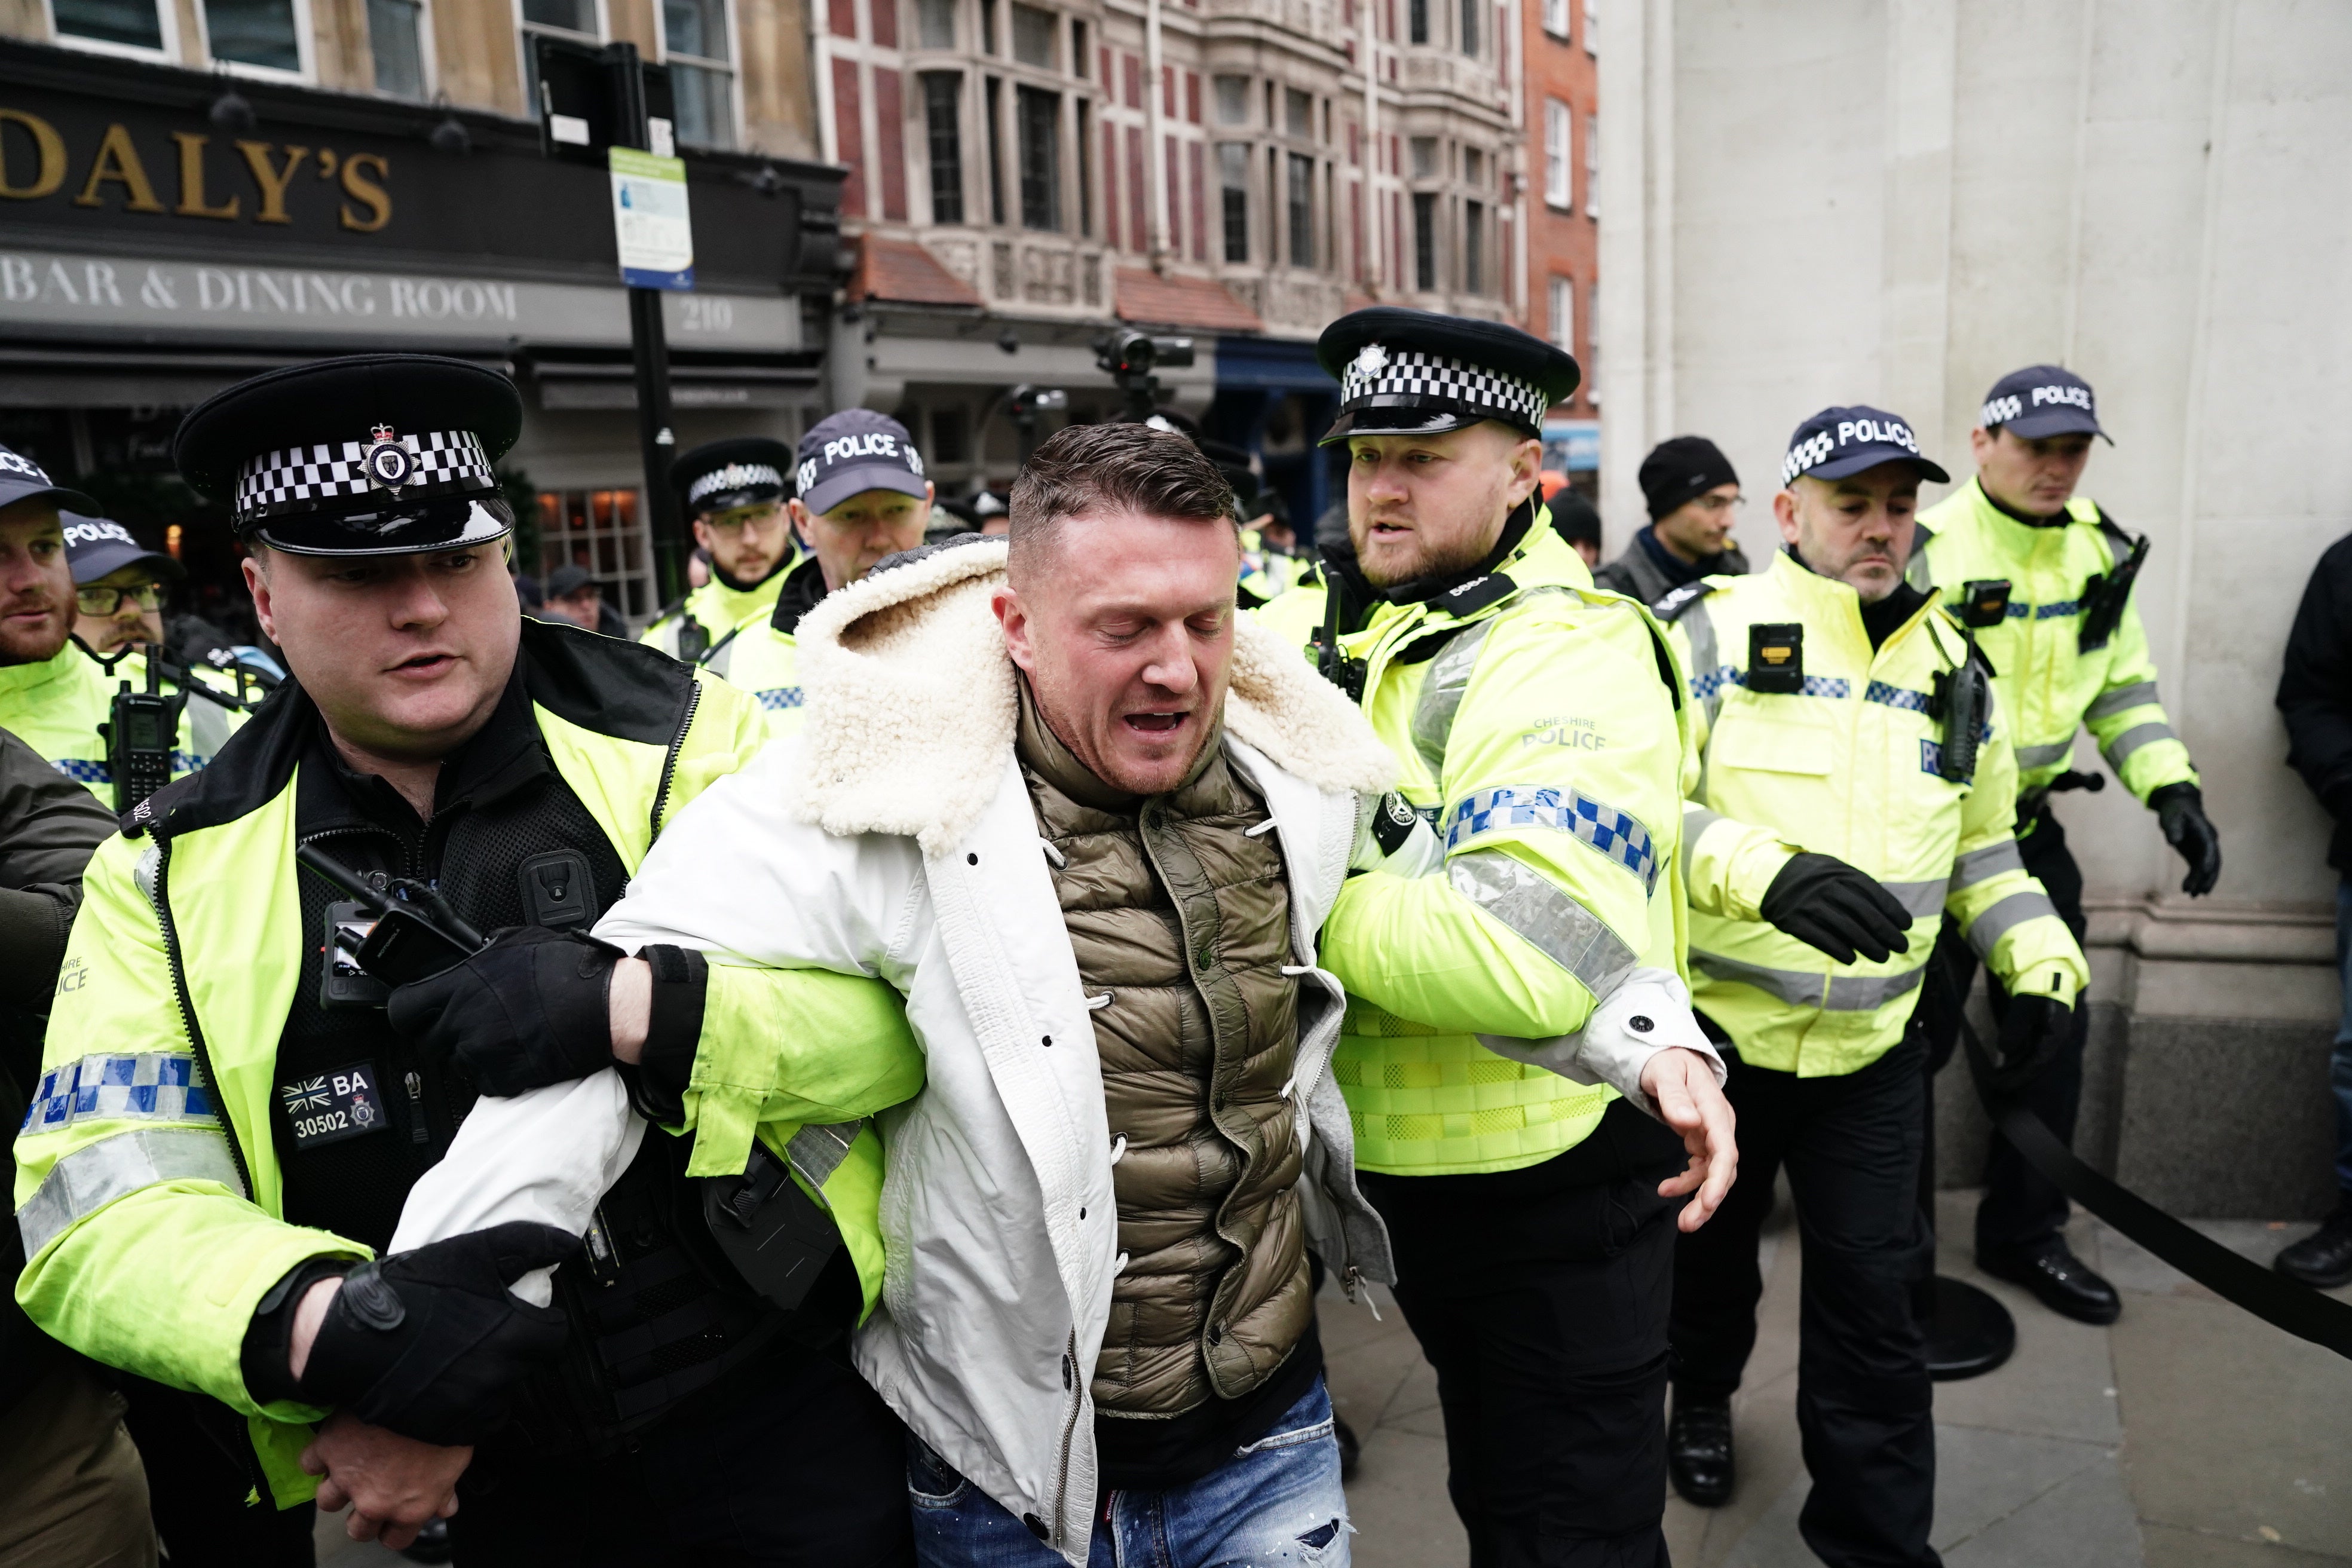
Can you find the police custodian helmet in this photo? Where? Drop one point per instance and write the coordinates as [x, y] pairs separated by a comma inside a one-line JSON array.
[[719, 476], [387, 454], [1414, 372]]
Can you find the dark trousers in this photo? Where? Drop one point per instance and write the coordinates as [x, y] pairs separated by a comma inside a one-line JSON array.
[[2022, 1209], [1540, 1297], [200, 1470], [1864, 1405], [798, 1464]]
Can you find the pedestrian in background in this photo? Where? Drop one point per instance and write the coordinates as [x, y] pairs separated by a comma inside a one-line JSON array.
[[1694, 498]]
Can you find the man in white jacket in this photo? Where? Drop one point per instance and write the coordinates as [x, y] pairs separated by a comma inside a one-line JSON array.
[[1088, 823]]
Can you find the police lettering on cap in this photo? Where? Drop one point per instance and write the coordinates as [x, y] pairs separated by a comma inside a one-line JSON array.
[[2042, 400], [366, 455], [854, 452], [22, 480], [99, 547], [1414, 372], [1837, 443], [720, 476]]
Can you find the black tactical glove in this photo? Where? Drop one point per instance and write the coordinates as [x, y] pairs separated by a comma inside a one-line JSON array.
[[1824, 902], [2032, 1032], [430, 1343], [2180, 810], [527, 1011]]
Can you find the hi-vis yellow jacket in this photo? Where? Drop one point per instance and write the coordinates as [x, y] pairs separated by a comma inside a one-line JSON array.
[[716, 608], [57, 706], [1541, 730], [148, 1185], [762, 656], [1848, 766], [2048, 683]]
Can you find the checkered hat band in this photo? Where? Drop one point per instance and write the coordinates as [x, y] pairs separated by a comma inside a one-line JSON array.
[[1410, 372], [733, 477], [298, 479]]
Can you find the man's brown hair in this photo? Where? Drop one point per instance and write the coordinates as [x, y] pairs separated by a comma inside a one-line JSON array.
[[1112, 468]]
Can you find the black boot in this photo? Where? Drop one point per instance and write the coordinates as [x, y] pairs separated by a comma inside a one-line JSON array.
[[1350, 1449], [2063, 1282], [2324, 1257], [1698, 1450]]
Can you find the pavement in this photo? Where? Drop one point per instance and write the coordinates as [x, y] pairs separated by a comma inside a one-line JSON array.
[[2188, 1435]]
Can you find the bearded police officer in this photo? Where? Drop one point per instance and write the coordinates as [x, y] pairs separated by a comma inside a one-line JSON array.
[[733, 495], [1540, 728], [1855, 792], [2070, 654], [54, 693], [227, 1124], [860, 496]]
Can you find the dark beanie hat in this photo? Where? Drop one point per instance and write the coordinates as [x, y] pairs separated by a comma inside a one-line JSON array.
[[1574, 517], [1681, 469]]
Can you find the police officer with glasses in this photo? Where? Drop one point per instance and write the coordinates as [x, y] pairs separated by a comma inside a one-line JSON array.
[[733, 492], [2070, 654], [239, 1092], [1853, 792]]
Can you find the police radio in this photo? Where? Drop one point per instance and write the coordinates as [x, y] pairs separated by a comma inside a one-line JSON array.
[[2104, 596], [140, 729], [1964, 696]]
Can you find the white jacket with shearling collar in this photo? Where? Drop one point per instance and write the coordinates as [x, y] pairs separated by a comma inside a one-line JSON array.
[[893, 837]]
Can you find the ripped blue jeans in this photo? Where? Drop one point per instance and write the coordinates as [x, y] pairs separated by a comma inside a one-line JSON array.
[[1274, 1503]]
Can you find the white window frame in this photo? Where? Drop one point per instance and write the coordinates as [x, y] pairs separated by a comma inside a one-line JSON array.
[[732, 65], [524, 32], [1592, 167], [304, 49], [429, 54], [1592, 27], [1560, 312], [1560, 162], [166, 13], [1558, 18]]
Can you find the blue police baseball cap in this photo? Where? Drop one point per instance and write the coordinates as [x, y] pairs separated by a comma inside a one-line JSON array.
[[21, 479], [2042, 400], [98, 547], [1839, 442], [854, 451]]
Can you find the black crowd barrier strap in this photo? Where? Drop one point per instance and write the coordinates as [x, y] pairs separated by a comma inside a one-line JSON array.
[[2281, 1303]]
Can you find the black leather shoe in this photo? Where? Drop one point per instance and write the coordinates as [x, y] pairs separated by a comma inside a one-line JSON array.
[[1698, 1452], [2324, 1257], [1351, 1450], [2062, 1281]]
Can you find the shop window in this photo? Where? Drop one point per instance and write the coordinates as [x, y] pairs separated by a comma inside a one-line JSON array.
[[935, 24], [1474, 248], [943, 117], [1302, 210], [696, 47], [1417, 21], [600, 531], [1232, 99], [1297, 113], [1033, 35], [1232, 175], [1424, 240], [396, 43], [951, 437], [1559, 160], [114, 23], [1040, 131], [263, 33]]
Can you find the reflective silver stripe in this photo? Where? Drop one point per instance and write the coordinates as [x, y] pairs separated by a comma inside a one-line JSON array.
[[94, 1175], [2138, 694], [1805, 988], [1568, 934], [1980, 864], [2121, 748], [1697, 819], [1441, 695], [1700, 625], [207, 727], [1920, 900], [2003, 917], [817, 1150], [717, 660], [2042, 756]]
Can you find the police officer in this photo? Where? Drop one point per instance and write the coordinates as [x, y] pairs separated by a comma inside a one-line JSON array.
[[119, 584], [1539, 727], [861, 495], [227, 1122], [1852, 794], [2070, 654], [733, 492], [54, 693], [1692, 494]]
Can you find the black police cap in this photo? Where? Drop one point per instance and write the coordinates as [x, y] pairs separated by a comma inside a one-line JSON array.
[[366, 455], [1419, 374], [742, 470]]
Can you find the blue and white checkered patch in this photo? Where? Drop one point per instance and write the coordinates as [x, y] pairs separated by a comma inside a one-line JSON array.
[[82, 771], [1619, 836], [1706, 685], [155, 1086], [1898, 696], [2058, 610], [776, 699]]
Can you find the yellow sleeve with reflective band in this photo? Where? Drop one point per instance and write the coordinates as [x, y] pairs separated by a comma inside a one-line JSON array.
[[2005, 914], [1559, 802], [142, 1250], [2128, 722], [796, 1046], [1728, 866]]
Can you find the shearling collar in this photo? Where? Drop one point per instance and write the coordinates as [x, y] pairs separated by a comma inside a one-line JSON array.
[[911, 707]]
